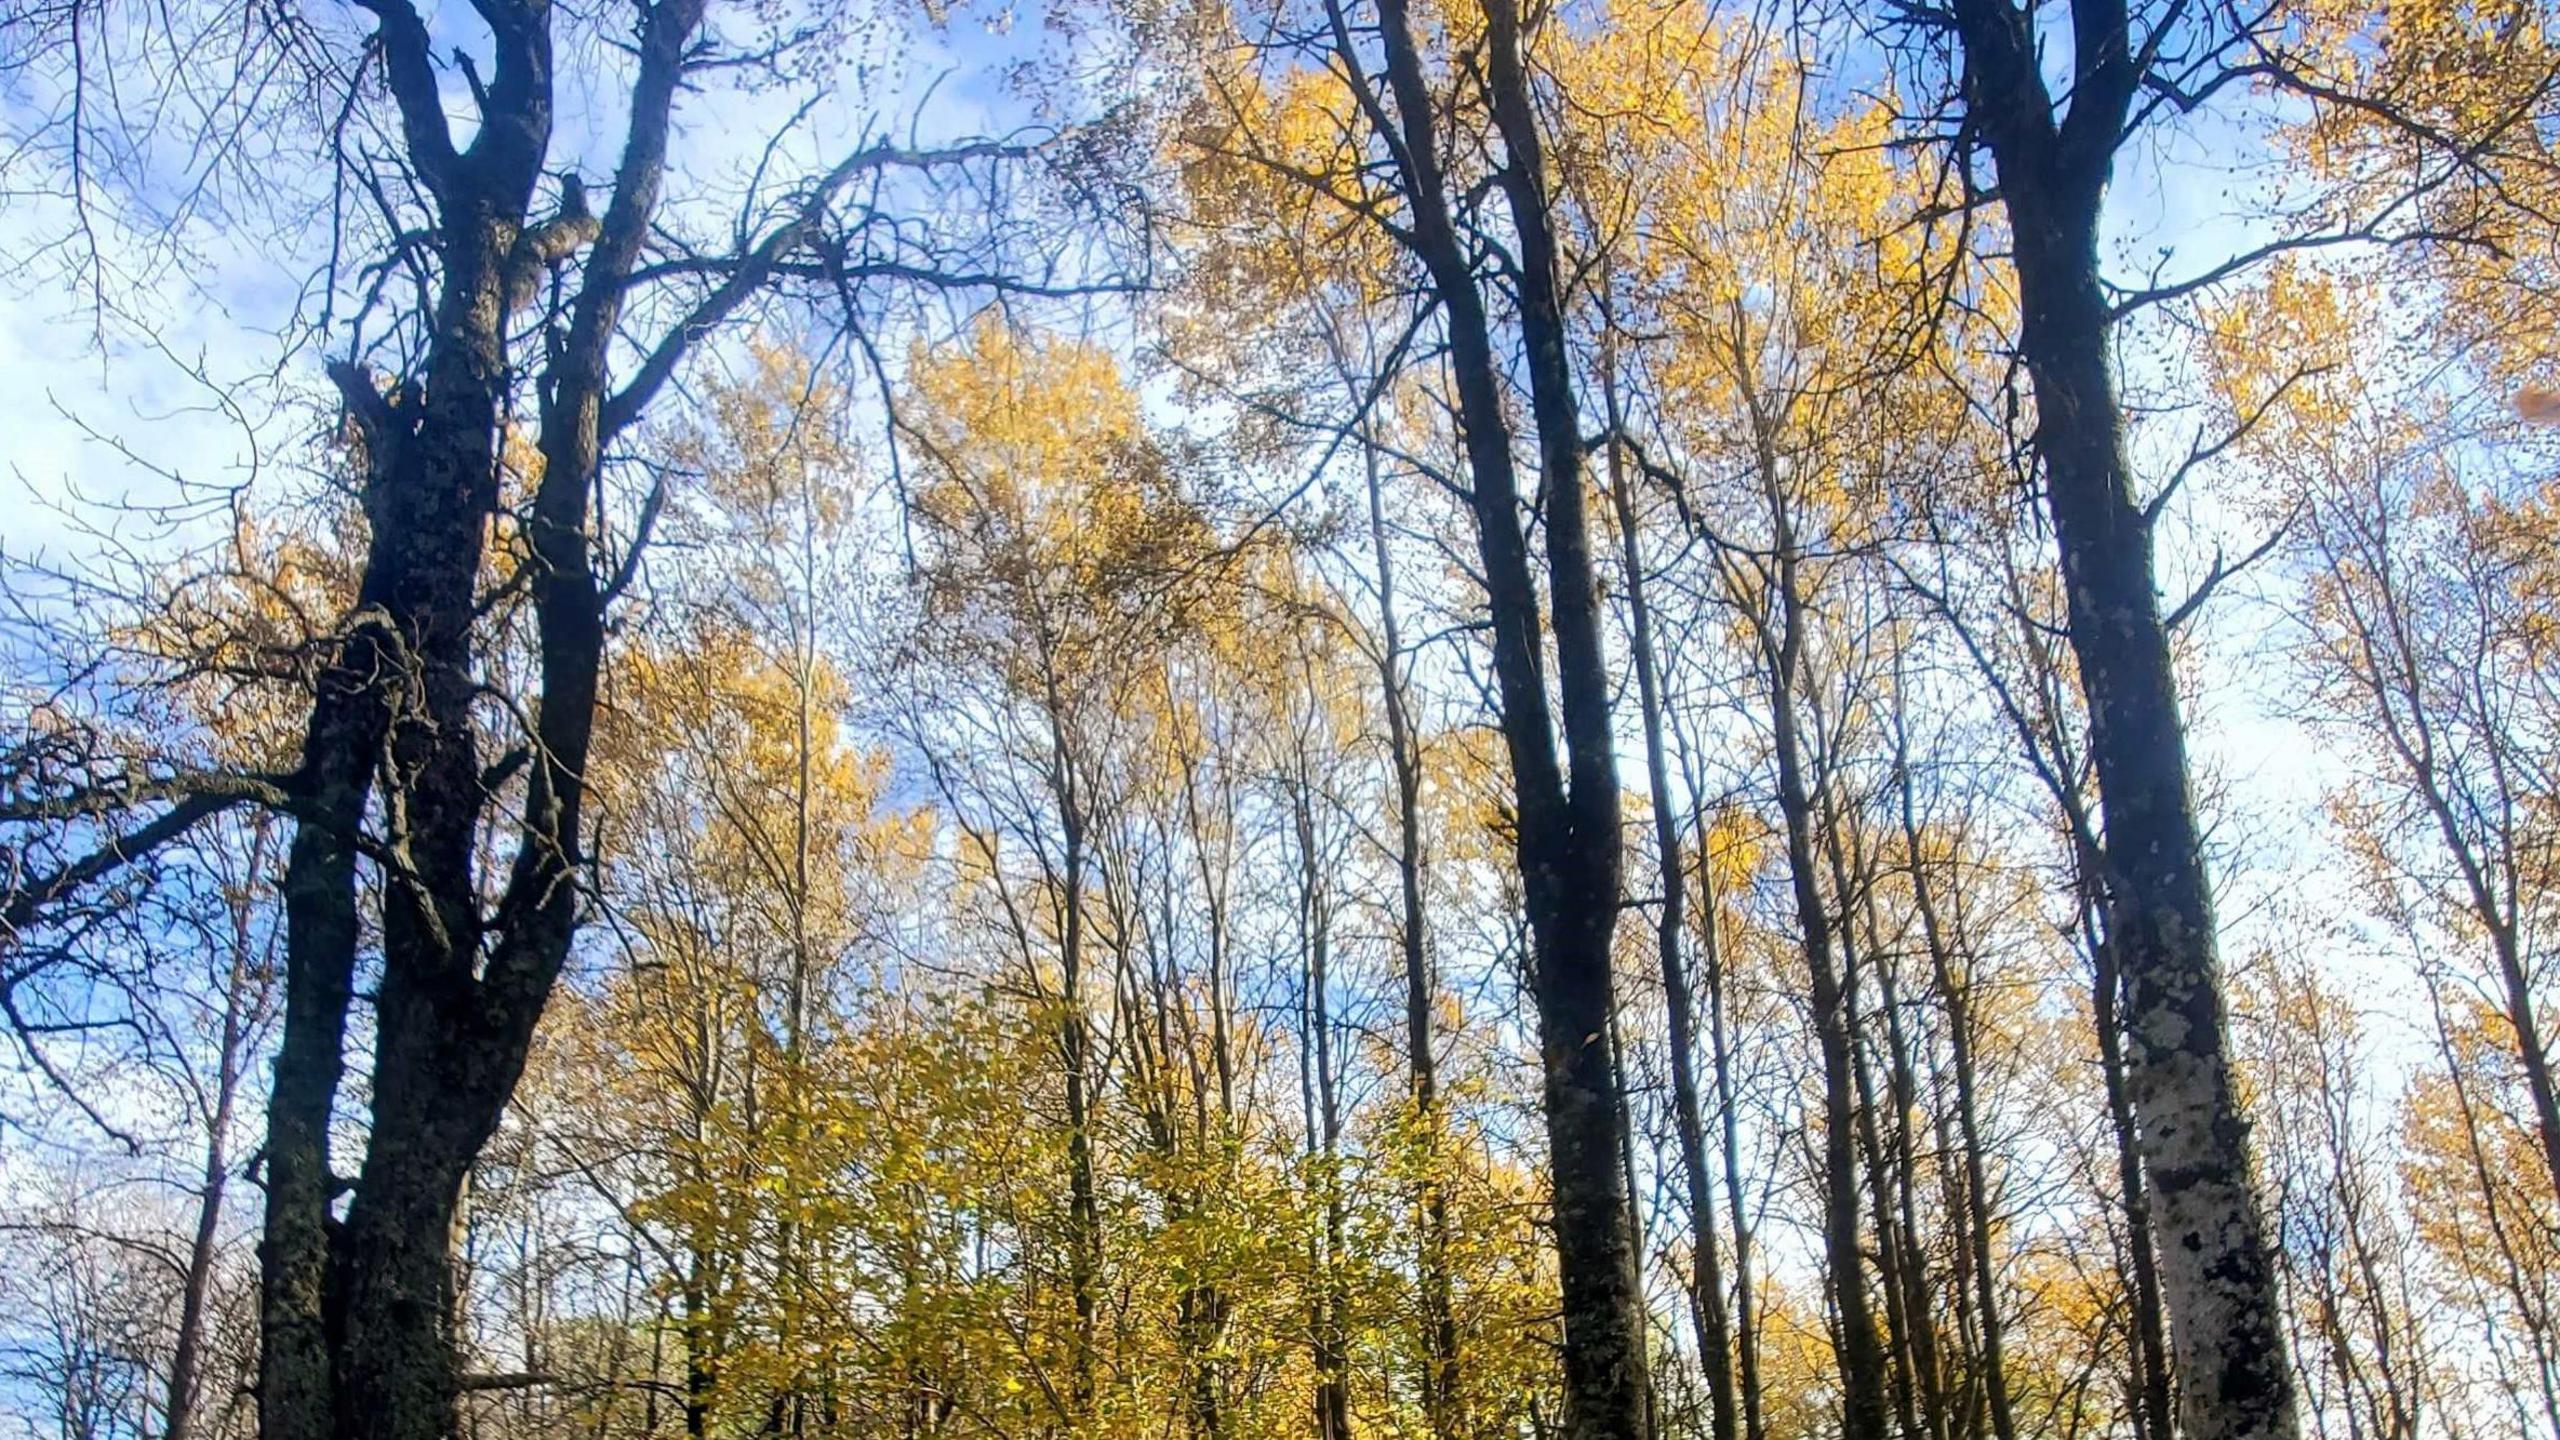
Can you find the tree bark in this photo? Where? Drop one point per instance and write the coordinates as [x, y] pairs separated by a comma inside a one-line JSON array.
[[1084, 1208], [1746, 1307], [1324, 1126], [357, 1338], [296, 1366], [1901, 1332], [2218, 1276]]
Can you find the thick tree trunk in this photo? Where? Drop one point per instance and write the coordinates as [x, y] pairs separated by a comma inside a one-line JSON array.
[[296, 1322], [401, 1375], [2218, 1276], [2217, 1273], [358, 1321], [440, 1075]]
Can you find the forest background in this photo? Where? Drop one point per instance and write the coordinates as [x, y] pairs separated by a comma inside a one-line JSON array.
[[1209, 721]]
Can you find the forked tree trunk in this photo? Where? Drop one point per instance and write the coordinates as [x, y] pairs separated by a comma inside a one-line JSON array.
[[1567, 844], [357, 1319]]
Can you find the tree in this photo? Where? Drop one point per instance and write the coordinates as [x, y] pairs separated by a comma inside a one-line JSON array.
[[1567, 841], [494, 348], [2051, 165]]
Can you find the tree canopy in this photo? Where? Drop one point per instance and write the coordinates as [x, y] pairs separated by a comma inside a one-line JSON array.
[[1422, 719]]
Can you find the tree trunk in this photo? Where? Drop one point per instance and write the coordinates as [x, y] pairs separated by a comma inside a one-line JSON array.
[[1781, 640], [2218, 1279], [357, 1339], [1957, 999], [1891, 1153], [1706, 1279], [1567, 845], [2154, 1417], [1084, 1209], [1440, 1380], [1901, 1331], [1862, 1358], [2217, 1274], [1324, 1128], [1746, 1305], [243, 993], [296, 1389], [1635, 1204]]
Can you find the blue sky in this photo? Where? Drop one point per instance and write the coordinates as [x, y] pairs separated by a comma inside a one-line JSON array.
[[212, 297]]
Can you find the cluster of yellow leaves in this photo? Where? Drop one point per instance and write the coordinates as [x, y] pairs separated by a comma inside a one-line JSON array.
[[2292, 353], [1057, 523], [2484, 1201], [2454, 110], [246, 636]]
